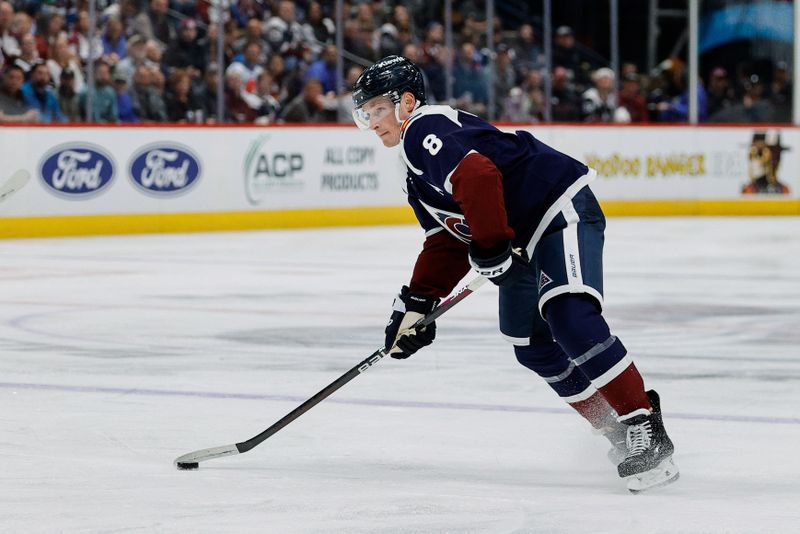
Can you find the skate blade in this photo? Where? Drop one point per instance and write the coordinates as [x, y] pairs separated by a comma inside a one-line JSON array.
[[664, 474]]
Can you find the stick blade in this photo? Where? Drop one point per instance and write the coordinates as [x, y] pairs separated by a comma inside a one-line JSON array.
[[192, 459], [15, 183]]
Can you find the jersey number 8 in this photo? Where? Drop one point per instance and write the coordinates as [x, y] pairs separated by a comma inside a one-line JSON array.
[[432, 144]]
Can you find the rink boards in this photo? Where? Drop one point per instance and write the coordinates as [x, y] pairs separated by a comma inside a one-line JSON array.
[[111, 180]]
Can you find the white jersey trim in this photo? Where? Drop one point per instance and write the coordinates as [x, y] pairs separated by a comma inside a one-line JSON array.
[[434, 231], [517, 341], [448, 185], [612, 373], [582, 396], [557, 206], [446, 111], [560, 290]]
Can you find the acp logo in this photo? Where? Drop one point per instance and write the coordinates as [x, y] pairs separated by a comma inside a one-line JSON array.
[[164, 169], [77, 170], [268, 169]]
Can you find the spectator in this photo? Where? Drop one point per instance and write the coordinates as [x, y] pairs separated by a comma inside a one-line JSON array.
[[154, 23], [780, 92], [39, 96], [346, 98], [29, 54], [253, 33], [49, 29], [676, 109], [186, 51], [181, 103], [62, 57], [12, 102], [284, 33], [104, 99], [357, 42], [206, 93], [566, 103], [721, 95], [529, 55], [504, 76], [246, 66], [8, 43], [280, 77], [19, 27], [152, 54], [525, 103], [135, 56], [324, 69], [318, 27], [470, 82], [567, 55], [752, 108], [268, 105], [114, 42], [124, 101], [388, 40], [236, 107], [79, 40], [631, 98], [147, 102], [68, 97], [434, 57], [309, 106], [599, 103]]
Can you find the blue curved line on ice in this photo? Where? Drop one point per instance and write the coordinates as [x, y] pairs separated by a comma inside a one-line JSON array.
[[375, 402]]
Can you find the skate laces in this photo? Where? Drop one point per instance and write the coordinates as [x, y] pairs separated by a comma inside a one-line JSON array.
[[638, 438]]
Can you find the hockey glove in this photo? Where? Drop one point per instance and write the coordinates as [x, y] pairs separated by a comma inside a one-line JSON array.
[[401, 340], [501, 264]]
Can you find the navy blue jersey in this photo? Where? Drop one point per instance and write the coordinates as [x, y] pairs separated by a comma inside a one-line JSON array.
[[435, 139]]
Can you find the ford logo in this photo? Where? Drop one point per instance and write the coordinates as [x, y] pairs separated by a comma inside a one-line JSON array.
[[77, 170], [165, 169]]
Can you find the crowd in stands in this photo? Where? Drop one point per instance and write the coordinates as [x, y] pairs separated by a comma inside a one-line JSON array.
[[156, 61]]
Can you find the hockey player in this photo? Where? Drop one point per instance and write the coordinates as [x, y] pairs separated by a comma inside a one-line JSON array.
[[520, 213]]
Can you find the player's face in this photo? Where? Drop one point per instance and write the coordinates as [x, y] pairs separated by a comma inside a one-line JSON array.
[[379, 115]]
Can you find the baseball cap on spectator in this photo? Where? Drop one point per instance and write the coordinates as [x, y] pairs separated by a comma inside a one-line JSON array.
[[389, 29], [67, 73], [118, 77], [135, 39], [563, 30]]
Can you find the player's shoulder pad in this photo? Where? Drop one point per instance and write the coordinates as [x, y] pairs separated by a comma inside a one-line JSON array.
[[431, 119], [437, 121]]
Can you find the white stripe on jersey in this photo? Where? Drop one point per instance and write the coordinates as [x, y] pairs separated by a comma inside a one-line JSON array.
[[448, 185]]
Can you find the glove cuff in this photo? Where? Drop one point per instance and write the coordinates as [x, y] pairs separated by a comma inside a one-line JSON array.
[[413, 302], [492, 262]]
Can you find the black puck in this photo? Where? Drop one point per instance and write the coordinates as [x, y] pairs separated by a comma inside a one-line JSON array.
[[188, 465]]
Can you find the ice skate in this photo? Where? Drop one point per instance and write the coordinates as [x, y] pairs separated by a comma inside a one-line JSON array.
[[648, 463], [615, 432]]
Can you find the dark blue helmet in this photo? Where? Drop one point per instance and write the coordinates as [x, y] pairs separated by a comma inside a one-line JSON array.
[[391, 77]]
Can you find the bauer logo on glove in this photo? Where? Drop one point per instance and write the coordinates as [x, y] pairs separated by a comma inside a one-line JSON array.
[[502, 264]]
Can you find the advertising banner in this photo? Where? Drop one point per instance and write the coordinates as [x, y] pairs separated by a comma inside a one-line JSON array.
[[102, 171]]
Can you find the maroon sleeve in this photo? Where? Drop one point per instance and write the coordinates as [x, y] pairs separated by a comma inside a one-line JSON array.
[[441, 264], [478, 189]]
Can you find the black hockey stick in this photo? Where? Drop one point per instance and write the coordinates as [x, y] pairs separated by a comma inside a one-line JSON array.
[[192, 459]]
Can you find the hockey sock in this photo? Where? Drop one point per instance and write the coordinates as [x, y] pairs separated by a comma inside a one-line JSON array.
[[580, 329], [595, 409]]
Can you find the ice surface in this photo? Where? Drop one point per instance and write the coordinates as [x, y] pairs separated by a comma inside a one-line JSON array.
[[118, 354]]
